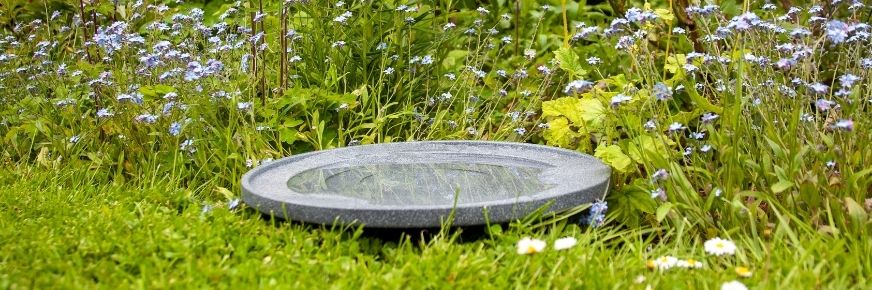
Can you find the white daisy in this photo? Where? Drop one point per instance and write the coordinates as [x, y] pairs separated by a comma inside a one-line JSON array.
[[565, 243], [720, 247], [733, 285], [663, 263], [530, 246]]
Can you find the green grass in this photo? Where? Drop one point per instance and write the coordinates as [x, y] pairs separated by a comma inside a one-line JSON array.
[[70, 228]]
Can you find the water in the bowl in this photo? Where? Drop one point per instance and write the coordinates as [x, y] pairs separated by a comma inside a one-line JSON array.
[[422, 183]]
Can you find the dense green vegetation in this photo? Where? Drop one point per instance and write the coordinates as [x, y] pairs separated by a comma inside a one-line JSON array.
[[125, 128], [59, 230]]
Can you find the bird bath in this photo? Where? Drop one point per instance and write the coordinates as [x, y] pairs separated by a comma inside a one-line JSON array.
[[419, 184]]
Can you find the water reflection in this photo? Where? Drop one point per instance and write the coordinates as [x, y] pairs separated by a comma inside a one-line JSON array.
[[422, 184]]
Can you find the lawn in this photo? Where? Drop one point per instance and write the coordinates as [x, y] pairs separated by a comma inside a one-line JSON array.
[[737, 134], [71, 228]]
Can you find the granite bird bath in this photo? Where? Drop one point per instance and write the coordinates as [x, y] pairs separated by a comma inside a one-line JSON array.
[[419, 184]]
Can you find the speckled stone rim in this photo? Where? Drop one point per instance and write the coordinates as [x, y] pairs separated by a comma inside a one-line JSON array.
[[580, 179]]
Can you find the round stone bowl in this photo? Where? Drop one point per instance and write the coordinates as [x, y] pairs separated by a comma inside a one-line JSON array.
[[421, 184]]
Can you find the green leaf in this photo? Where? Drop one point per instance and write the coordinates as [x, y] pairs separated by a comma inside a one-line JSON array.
[[855, 179], [291, 123], [337, 98], [780, 173], [563, 107], [781, 186], [558, 133], [664, 14], [289, 135], [155, 90], [632, 204], [663, 210], [569, 62], [592, 112], [613, 156], [675, 64], [700, 101], [587, 113], [619, 81], [775, 147]]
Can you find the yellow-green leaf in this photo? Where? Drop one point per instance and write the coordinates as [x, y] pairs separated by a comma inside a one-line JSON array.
[[568, 107], [587, 113], [592, 112], [620, 81], [675, 63], [155, 90], [613, 156], [558, 133], [664, 14]]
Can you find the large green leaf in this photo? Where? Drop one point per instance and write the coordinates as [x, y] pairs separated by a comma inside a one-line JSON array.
[[592, 112]]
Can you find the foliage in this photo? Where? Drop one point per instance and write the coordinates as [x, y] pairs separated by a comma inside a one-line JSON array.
[[73, 228], [747, 119]]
